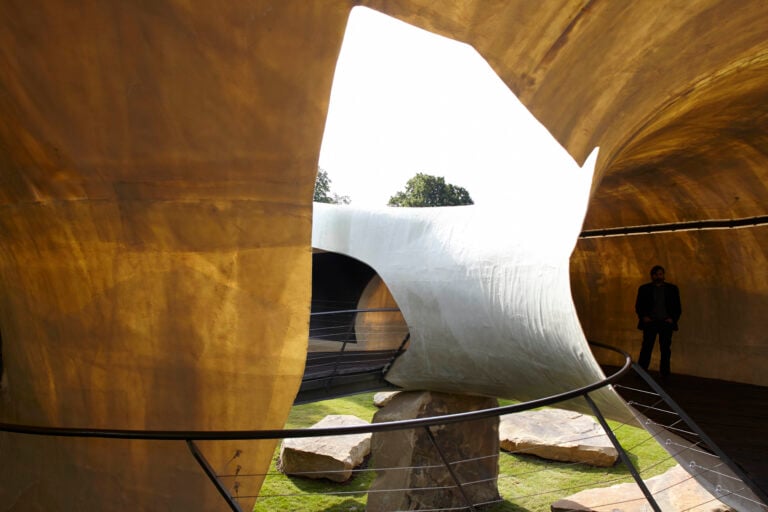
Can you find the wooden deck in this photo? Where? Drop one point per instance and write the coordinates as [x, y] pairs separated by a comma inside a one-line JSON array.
[[733, 415]]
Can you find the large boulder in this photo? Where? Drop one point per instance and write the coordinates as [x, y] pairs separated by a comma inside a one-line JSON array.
[[410, 474], [673, 490], [557, 434], [331, 457]]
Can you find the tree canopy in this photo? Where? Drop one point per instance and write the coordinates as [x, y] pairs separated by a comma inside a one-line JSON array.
[[426, 190], [323, 190]]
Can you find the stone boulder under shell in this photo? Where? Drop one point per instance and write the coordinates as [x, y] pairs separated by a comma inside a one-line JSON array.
[[409, 464]]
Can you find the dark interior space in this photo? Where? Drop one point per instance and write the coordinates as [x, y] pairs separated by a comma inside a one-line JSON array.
[[338, 282]]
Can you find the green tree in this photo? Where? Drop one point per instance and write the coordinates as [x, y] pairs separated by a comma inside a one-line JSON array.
[[427, 190], [323, 190]]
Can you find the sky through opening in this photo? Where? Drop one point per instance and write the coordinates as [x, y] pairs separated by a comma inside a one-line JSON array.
[[405, 100]]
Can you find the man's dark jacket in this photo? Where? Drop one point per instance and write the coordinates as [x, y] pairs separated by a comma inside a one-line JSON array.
[[644, 303]]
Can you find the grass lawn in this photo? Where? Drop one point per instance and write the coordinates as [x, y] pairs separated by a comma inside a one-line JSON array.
[[526, 483]]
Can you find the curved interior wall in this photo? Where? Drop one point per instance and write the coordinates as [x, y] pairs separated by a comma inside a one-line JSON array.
[[158, 163], [154, 239], [704, 156], [384, 330], [724, 291]]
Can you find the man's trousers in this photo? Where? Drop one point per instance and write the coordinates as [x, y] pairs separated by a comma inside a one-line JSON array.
[[664, 331]]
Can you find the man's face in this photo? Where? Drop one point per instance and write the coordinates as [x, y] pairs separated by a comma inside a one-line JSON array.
[[658, 277]]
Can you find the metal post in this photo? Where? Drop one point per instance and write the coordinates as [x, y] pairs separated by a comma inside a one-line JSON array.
[[198, 455], [623, 454]]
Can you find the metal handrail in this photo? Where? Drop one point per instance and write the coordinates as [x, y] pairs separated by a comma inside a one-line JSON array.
[[190, 436], [695, 225], [339, 311], [232, 435]]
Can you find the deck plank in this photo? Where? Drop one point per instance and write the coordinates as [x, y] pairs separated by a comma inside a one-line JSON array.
[[734, 415]]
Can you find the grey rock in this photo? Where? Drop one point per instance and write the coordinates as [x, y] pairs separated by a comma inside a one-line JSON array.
[[331, 457], [673, 491], [557, 434]]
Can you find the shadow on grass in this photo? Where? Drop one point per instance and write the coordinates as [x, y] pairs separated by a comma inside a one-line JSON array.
[[302, 494], [505, 506], [357, 484], [346, 506]]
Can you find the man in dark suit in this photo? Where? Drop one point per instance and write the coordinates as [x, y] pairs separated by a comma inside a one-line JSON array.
[[658, 310]]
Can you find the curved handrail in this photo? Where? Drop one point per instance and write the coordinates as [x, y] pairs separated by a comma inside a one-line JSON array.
[[695, 225], [366, 310], [191, 436], [228, 435]]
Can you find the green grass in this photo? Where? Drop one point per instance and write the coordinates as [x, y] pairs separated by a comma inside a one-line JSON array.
[[526, 483]]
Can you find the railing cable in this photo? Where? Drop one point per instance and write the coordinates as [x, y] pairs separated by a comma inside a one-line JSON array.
[[191, 436]]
